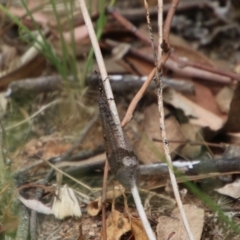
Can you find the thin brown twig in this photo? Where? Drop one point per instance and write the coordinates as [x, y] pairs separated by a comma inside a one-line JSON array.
[[193, 143], [204, 67], [128, 116], [104, 191], [137, 97], [150, 32], [128, 25], [139, 13]]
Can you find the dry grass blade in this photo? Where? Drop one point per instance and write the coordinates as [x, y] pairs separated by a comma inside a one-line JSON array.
[[163, 40]]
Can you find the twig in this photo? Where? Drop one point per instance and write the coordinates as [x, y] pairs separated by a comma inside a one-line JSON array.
[[165, 51], [128, 25], [205, 67], [193, 143], [137, 97], [112, 106], [139, 13], [104, 191], [99, 58], [142, 213]]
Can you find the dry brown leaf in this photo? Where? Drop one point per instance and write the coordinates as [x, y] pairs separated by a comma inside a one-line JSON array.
[[173, 225], [30, 69], [95, 206], [137, 229], [145, 147], [231, 189], [183, 49], [79, 33], [204, 98], [117, 225], [202, 116], [224, 98]]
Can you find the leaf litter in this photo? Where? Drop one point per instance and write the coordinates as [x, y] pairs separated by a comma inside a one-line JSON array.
[[208, 114]]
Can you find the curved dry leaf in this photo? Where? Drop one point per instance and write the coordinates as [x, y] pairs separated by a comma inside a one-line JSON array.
[[223, 99], [202, 116], [117, 225], [231, 189], [137, 229], [95, 206]]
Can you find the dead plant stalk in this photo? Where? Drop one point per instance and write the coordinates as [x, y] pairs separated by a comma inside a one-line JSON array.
[[164, 49], [113, 109]]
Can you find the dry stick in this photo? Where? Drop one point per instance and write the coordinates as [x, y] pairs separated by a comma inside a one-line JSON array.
[[104, 191], [113, 109], [128, 116], [194, 143], [100, 61], [183, 63], [165, 41]]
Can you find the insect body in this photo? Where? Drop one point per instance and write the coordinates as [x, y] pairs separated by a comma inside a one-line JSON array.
[[121, 158]]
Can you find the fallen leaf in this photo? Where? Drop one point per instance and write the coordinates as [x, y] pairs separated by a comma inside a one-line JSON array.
[[202, 117], [29, 69], [95, 206], [224, 98], [137, 229], [144, 148], [231, 189], [204, 97], [173, 226], [117, 225]]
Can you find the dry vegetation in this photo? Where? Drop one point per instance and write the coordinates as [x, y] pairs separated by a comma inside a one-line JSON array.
[[52, 153]]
